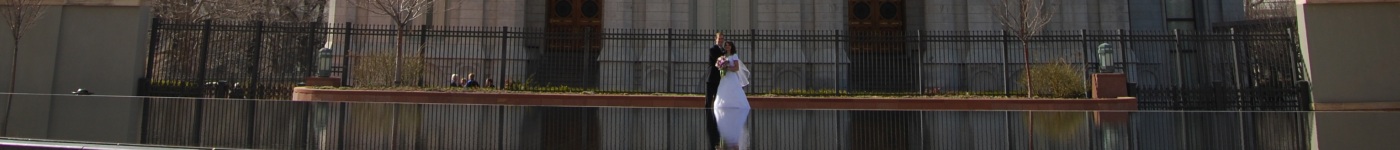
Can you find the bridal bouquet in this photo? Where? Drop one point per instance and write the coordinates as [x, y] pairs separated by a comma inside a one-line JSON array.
[[723, 63]]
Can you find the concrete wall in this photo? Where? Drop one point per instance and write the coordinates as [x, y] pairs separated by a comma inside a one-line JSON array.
[[977, 15], [1347, 48], [35, 75], [798, 15], [1355, 130], [94, 46], [1149, 15]]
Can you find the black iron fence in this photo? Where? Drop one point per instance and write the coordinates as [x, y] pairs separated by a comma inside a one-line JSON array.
[[1255, 70], [229, 59], [280, 124]]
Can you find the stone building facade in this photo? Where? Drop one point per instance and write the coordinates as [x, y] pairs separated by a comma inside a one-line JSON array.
[[677, 66]]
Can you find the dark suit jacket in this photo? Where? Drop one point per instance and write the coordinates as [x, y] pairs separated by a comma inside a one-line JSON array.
[[470, 83], [712, 84]]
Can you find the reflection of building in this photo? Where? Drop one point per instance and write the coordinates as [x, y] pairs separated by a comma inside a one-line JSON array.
[[869, 64]]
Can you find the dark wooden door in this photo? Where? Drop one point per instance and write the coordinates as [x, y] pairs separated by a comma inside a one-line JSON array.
[[879, 60], [573, 40], [876, 25], [574, 25]]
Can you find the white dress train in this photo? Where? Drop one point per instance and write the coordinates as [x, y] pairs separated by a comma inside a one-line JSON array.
[[731, 105]]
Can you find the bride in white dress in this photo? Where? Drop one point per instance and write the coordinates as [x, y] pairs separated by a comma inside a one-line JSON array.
[[731, 105]]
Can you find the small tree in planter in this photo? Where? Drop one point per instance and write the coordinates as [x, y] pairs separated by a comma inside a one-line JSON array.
[[1025, 19]]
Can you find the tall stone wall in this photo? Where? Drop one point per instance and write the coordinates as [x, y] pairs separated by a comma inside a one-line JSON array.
[[644, 65]]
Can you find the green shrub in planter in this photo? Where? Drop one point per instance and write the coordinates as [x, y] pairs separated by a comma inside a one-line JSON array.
[[1057, 79]]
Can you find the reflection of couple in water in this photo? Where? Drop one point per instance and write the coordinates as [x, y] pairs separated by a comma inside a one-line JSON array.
[[725, 94]]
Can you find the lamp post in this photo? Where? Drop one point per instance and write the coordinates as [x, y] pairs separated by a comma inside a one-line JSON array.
[[1108, 84], [1105, 58], [324, 62]]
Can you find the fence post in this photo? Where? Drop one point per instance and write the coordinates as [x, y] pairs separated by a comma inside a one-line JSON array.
[[808, 38], [203, 55], [836, 61], [1176, 59], [422, 53], [1005, 70], [1235, 67], [670, 64], [199, 82], [1123, 48], [1087, 51], [587, 50], [753, 38], [501, 61], [919, 66], [151, 52], [1293, 53], [252, 88], [345, 57]]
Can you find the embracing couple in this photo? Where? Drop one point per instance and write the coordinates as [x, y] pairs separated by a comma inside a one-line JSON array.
[[725, 94]]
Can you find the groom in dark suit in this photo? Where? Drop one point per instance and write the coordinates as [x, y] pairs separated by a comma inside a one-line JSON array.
[[712, 85]]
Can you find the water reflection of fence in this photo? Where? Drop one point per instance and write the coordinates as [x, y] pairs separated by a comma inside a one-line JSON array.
[[343, 125]]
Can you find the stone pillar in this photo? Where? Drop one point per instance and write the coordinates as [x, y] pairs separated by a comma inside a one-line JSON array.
[[1110, 85]]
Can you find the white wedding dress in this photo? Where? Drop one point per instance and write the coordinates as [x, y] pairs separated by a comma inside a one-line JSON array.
[[731, 105]]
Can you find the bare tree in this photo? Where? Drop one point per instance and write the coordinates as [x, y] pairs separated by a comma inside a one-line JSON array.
[[1265, 9], [1024, 19], [195, 9], [19, 16], [1271, 17], [178, 48], [291, 47], [401, 13], [241, 10]]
